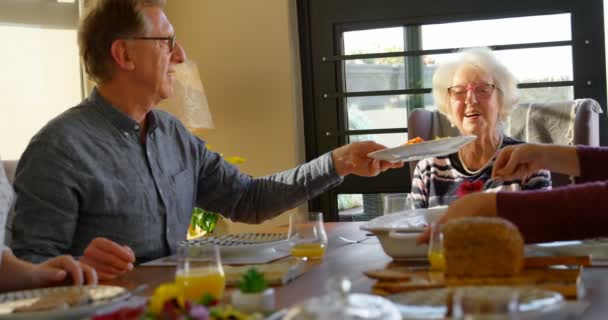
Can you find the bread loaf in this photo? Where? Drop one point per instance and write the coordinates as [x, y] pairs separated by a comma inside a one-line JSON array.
[[482, 247]]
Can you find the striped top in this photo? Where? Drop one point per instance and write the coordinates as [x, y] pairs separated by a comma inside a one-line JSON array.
[[436, 180]]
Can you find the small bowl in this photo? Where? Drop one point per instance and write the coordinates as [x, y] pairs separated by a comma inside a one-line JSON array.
[[398, 232], [402, 245]]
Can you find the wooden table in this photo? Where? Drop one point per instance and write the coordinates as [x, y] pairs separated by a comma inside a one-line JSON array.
[[349, 260]]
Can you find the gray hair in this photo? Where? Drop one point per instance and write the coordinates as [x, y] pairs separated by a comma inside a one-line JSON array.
[[481, 59], [108, 21]]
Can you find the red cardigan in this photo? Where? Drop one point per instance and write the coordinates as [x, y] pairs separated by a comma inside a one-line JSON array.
[[567, 213]]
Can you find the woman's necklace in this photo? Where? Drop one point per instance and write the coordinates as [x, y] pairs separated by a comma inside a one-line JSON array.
[[474, 172]]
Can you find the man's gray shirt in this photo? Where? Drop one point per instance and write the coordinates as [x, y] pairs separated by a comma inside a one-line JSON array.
[[87, 174]]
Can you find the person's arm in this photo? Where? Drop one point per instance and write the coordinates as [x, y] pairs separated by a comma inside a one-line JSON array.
[[566, 213], [592, 162], [222, 188], [521, 161], [46, 208], [16, 274]]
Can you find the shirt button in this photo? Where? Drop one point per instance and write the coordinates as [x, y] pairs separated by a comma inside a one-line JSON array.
[[136, 127], [152, 135]]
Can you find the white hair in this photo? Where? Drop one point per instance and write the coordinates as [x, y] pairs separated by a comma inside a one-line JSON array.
[[481, 59]]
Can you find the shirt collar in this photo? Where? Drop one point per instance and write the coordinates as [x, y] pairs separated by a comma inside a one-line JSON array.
[[118, 118]]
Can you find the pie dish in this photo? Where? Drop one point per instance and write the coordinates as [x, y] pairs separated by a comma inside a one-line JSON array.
[[97, 297]]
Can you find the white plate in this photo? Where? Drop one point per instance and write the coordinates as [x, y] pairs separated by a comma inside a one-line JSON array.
[[597, 248], [101, 296], [431, 304], [421, 150], [242, 242], [414, 220]]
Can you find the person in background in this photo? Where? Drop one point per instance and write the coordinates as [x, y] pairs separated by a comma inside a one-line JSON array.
[[115, 181], [570, 212], [477, 93], [16, 274]]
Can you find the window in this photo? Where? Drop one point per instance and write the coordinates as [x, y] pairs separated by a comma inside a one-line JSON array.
[[366, 65], [40, 75]]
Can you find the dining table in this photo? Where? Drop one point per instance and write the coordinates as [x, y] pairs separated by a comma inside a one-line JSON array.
[[346, 256]]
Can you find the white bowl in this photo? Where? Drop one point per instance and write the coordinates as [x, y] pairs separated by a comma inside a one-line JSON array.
[[398, 232], [402, 246]]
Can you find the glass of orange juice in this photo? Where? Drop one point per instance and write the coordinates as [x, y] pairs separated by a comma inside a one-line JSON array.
[[307, 236], [435, 253], [199, 272]]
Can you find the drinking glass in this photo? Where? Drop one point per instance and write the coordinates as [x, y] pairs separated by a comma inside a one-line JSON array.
[[476, 303], [307, 236], [435, 253], [199, 272], [397, 202]]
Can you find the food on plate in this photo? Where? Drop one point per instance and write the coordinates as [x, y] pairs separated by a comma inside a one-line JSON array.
[[482, 247], [57, 300], [414, 140]]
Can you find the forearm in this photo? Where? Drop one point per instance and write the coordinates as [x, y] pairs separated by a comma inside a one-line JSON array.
[[593, 162], [15, 273], [566, 213], [254, 200], [561, 159]]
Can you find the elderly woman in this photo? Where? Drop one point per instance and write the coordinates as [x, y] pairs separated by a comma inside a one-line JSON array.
[[18, 274], [476, 92]]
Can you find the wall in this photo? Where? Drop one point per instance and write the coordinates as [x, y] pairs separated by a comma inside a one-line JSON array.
[[248, 58]]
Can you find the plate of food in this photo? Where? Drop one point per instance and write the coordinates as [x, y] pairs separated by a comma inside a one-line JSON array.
[[416, 149], [58, 302], [432, 303]]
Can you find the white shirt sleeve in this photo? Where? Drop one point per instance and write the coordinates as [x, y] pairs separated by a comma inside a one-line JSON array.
[[6, 201]]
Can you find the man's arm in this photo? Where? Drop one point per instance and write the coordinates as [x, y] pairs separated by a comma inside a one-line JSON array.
[[222, 188], [46, 208]]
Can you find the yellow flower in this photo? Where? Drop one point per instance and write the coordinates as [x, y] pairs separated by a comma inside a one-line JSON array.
[[162, 293], [235, 160]]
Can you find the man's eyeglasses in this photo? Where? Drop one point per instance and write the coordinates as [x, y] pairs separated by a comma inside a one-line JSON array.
[[170, 40], [482, 91]]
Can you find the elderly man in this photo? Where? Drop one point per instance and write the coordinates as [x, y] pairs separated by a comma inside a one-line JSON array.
[[115, 181]]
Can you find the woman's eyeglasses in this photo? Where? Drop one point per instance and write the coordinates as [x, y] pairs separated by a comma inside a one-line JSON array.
[[482, 91]]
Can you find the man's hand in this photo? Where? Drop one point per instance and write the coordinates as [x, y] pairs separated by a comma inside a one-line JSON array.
[[109, 258], [56, 270], [352, 159], [474, 204]]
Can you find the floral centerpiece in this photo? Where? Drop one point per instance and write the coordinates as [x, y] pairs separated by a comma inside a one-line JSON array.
[[203, 222]]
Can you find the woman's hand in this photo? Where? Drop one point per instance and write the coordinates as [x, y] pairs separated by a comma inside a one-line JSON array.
[[474, 204], [519, 162], [59, 269]]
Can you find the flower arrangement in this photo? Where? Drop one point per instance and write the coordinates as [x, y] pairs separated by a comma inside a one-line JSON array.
[[167, 304], [467, 187], [203, 222]]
